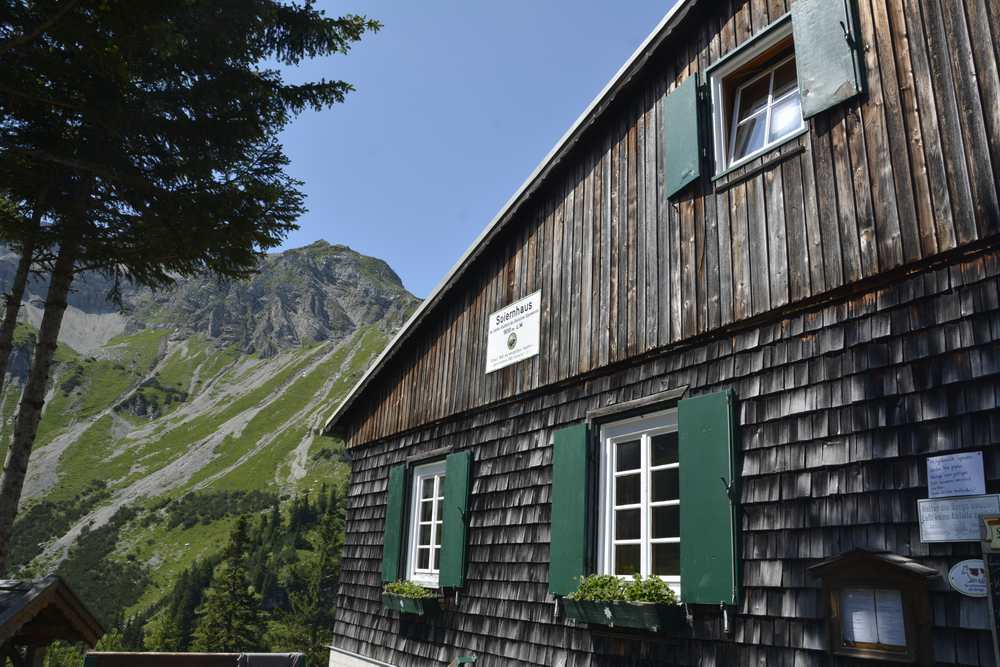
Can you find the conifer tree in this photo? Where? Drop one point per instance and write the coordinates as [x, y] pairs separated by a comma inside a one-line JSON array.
[[308, 622], [231, 619], [156, 127]]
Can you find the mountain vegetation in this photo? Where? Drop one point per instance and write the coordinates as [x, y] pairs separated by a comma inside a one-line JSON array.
[[135, 500], [142, 141]]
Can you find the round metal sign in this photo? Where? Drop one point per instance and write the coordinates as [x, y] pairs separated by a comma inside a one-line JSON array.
[[969, 578]]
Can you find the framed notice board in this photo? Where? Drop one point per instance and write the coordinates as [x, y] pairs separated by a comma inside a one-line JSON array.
[[877, 607]]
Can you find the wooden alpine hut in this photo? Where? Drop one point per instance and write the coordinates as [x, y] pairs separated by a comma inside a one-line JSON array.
[[739, 330]]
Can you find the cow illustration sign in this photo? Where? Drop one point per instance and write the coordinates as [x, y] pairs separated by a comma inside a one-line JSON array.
[[968, 577]]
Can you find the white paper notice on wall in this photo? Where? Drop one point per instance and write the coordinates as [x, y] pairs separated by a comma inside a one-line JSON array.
[[513, 333], [873, 616], [858, 615], [956, 475], [954, 519]]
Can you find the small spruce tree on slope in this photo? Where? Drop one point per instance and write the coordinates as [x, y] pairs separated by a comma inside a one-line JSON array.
[[231, 619]]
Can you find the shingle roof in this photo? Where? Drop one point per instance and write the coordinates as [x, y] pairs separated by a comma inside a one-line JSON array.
[[26, 606]]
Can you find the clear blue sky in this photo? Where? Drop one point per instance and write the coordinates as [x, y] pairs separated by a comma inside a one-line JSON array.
[[457, 101]]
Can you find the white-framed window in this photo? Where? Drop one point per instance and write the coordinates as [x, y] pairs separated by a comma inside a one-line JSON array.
[[756, 104], [423, 560], [639, 527]]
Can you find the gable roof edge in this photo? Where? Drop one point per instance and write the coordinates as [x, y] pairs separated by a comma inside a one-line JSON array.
[[593, 111]]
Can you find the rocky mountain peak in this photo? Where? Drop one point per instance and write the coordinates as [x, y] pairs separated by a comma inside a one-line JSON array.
[[319, 292]]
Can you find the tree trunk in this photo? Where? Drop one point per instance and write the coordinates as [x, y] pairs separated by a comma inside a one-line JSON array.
[[30, 411], [17, 295]]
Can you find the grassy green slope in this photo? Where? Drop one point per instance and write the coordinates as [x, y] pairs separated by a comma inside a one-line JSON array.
[[245, 423]]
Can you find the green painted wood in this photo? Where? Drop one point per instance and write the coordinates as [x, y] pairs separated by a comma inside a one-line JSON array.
[[395, 509], [827, 57], [568, 549], [415, 606], [682, 151], [706, 426], [456, 505]]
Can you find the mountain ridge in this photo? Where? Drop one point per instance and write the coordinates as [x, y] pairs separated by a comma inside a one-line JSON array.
[[209, 387]]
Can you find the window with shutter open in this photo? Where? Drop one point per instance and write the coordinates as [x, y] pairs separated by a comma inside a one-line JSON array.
[[426, 521], [665, 500], [763, 92]]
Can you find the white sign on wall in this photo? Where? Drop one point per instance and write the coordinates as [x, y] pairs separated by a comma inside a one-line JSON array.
[[969, 577], [956, 475], [513, 333], [954, 519]]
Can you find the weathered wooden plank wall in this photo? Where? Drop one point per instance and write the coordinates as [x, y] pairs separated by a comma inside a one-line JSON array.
[[839, 406], [906, 173]]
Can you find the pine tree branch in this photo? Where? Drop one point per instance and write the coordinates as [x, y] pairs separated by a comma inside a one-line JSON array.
[[15, 42]]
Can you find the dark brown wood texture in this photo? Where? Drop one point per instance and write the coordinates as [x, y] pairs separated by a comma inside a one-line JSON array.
[[839, 405], [906, 173]]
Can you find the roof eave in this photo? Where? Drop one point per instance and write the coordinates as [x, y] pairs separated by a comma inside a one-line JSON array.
[[625, 74]]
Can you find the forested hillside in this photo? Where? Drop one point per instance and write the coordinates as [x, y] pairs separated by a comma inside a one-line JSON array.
[[189, 421]]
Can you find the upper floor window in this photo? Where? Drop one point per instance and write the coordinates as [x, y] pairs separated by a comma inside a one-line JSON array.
[[755, 98], [767, 109], [640, 498], [426, 522]]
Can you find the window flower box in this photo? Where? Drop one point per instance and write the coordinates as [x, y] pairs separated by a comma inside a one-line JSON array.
[[408, 605], [640, 604], [637, 615]]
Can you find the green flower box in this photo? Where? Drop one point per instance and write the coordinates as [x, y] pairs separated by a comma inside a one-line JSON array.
[[415, 606], [638, 615]]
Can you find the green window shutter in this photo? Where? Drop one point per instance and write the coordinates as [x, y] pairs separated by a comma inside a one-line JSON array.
[[706, 426], [568, 550], [394, 512], [827, 54], [456, 504], [680, 136]]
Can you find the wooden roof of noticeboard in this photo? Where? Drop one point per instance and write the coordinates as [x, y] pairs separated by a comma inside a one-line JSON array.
[[594, 111], [44, 610]]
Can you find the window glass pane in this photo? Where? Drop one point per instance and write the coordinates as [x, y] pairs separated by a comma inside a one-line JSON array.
[[427, 490], [753, 98], [437, 536], [628, 456], [666, 484], [667, 521], [784, 79], [786, 117], [437, 559], [627, 490], [426, 511], [423, 559], [627, 524], [749, 137], [667, 559], [664, 449], [425, 534], [441, 487], [627, 558]]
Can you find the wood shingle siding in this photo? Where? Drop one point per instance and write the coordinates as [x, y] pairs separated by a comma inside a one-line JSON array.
[[838, 406], [900, 175], [844, 286]]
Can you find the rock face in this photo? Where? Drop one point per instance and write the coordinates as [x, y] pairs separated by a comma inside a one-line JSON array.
[[318, 293]]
